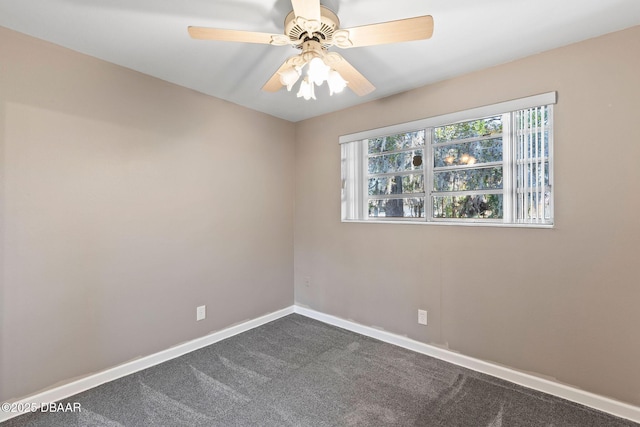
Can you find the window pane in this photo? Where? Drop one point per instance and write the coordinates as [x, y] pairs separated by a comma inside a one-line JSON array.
[[533, 118], [396, 162], [396, 142], [532, 145], [485, 206], [534, 206], [397, 208], [472, 129], [533, 175], [396, 185], [468, 179], [468, 153], [533, 178]]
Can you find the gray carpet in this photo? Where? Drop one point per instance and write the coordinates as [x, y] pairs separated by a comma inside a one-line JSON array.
[[296, 371]]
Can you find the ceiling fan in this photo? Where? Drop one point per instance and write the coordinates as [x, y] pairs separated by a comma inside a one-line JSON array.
[[313, 28]]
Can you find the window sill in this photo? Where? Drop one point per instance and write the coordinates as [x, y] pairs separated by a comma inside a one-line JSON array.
[[448, 223]]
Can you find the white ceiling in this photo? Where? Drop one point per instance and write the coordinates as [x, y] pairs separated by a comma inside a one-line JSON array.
[[150, 36]]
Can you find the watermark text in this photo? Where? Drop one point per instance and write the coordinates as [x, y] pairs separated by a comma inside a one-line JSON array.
[[22, 407]]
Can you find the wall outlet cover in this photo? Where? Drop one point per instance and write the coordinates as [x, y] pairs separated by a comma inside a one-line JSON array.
[[422, 317]]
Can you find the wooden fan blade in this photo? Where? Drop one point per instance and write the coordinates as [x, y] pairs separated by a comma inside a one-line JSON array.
[[308, 9], [355, 81], [403, 30], [274, 85], [204, 33]]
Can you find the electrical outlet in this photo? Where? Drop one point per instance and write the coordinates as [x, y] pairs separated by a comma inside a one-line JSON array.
[[201, 312], [307, 281], [422, 317]]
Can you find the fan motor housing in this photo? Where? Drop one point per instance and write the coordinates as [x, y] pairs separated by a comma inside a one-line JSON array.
[[296, 31]]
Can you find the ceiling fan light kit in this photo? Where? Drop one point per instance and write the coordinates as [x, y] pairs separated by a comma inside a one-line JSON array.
[[313, 57], [313, 28]]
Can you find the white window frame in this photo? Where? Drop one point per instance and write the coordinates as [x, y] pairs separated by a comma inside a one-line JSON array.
[[354, 176]]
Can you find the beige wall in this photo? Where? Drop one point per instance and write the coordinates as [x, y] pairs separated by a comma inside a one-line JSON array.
[[127, 202], [560, 303]]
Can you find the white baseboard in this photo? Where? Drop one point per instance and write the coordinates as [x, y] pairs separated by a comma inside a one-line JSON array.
[[601, 403], [127, 368]]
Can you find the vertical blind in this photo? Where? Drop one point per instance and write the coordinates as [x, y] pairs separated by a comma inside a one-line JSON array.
[[533, 185]]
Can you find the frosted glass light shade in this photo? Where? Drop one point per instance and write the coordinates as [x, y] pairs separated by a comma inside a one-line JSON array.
[[336, 82], [306, 90], [318, 71], [289, 77]]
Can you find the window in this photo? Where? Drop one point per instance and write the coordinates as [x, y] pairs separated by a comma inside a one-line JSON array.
[[490, 165], [395, 176], [468, 169]]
